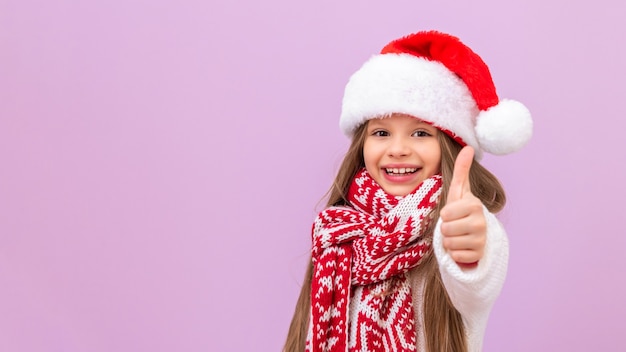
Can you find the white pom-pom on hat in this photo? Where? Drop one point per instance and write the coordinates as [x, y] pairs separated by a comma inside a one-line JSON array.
[[436, 78], [504, 128]]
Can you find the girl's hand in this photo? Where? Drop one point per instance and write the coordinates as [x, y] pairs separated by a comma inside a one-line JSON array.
[[463, 226]]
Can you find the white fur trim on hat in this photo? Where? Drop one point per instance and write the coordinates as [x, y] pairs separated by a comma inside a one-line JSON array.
[[404, 83]]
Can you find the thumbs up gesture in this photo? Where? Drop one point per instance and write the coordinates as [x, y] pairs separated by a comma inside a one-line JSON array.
[[463, 224]]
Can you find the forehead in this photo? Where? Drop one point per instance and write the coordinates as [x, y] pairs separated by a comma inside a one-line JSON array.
[[398, 119]]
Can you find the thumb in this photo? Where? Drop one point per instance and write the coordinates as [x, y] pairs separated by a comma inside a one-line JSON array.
[[460, 184]]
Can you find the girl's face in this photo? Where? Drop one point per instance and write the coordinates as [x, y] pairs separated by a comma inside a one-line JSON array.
[[400, 152]]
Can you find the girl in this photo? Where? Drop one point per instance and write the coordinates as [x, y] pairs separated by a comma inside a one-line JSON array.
[[408, 255]]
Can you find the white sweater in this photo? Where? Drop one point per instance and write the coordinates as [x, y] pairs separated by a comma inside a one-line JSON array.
[[472, 291]]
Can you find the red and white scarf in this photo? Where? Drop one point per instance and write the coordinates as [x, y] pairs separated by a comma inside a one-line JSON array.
[[360, 297]]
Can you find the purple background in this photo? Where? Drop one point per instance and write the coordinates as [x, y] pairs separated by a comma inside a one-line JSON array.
[[161, 163]]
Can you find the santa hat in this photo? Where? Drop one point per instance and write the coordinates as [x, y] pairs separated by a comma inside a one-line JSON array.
[[436, 78]]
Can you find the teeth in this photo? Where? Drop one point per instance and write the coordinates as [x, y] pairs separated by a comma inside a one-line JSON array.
[[402, 170]]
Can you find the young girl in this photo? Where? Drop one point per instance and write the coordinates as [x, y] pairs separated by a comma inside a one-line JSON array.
[[408, 255]]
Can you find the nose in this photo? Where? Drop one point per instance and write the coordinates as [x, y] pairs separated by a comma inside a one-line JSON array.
[[399, 146]]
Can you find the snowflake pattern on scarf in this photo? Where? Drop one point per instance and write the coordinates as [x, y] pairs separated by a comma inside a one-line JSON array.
[[361, 299]]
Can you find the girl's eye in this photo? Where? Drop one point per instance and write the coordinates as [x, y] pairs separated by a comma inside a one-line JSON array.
[[380, 133], [421, 134]]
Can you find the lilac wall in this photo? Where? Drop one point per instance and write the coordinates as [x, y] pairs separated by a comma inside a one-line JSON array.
[[161, 163]]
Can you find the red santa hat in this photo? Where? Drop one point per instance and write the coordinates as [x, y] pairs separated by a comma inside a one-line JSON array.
[[436, 78]]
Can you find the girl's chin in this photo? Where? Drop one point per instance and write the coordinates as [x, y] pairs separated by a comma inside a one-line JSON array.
[[399, 190]]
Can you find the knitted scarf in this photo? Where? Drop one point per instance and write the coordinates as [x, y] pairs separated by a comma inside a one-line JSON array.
[[360, 297]]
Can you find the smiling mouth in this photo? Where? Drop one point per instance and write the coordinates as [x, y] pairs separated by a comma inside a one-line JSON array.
[[401, 171]]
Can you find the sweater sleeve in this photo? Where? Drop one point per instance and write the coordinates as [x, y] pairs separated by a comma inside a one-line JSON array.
[[473, 291]]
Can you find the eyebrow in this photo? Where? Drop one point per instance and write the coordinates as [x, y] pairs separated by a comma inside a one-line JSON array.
[[383, 123]]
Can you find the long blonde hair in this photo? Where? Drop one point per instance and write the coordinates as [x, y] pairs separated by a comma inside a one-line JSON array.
[[443, 325]]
